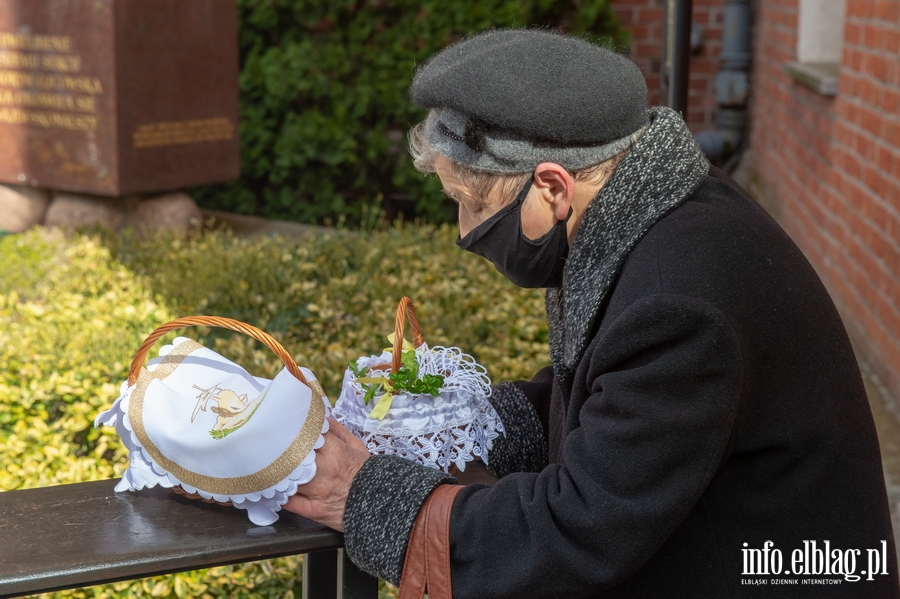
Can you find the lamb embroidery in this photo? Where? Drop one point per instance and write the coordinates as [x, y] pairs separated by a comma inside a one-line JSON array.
[[232, 410]]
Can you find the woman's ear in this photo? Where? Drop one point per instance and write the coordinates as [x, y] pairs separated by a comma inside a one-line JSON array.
[[556, 186]]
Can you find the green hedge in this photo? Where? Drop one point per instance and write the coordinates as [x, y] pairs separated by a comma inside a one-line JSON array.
[[324, 105], [75, 309]]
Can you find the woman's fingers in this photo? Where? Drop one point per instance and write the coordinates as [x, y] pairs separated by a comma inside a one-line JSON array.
[[337, 462], [299, 504], [343, 433]]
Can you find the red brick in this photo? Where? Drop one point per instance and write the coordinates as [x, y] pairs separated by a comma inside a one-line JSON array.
[[879, 337], [873, 211], [864, 146], [892, 170], [873, 35], [885, 312], [871, 272], [850, 165], [892, 41], [870, 93], [892, 224], [833, 177], [853, 59], [891, 285], [895, 291], [870, 121], [890, 358], [891, 133], [888, 10], [648, 49], [861, 8], [791, 20], [841, 134], [848, 85], [880, 67], [890, 100], [640, 33], [889, 254], [891, 195], [855, 281], [704, 66], [873, 179], [651, 15], [884, 158], [881, 251], [852, 113], [627, 15], [853, 33], [820, 216]]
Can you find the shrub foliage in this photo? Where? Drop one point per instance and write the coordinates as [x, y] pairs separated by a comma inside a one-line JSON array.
[[324, 106], [75, 309]]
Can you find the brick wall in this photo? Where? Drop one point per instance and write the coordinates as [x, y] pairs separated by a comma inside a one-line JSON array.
[[646, 20], [829, 168]]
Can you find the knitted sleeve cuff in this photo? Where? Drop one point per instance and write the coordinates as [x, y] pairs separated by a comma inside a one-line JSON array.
[[524, 448], [382, 505]]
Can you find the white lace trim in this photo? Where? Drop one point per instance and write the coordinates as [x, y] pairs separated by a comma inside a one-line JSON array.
[[451, 429]]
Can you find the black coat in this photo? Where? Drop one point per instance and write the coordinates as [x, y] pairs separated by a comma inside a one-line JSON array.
[[718, 404]]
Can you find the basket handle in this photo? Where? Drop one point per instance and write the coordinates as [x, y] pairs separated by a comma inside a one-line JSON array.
[[213, 321], [405, 309]]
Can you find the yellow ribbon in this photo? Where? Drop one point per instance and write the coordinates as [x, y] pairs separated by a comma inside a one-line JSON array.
[[381, 408], [375, 380], [407, 346], [383, 404]]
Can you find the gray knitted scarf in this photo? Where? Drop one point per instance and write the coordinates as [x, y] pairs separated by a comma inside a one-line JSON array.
[[661, 170]]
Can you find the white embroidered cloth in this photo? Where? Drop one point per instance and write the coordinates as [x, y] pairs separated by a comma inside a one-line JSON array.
[[451, 429], [199, 421]]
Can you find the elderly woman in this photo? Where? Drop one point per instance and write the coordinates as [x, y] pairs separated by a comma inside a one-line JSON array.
[[703, 425]]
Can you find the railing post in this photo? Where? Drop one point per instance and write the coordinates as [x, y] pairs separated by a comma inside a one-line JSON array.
[[353, 583], [320, 575]]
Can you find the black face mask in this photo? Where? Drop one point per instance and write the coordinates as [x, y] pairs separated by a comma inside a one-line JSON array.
[[525, 262]]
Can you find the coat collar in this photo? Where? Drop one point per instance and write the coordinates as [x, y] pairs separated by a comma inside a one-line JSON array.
[[660, 171]]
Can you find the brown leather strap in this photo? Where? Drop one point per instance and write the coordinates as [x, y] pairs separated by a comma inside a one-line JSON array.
[[437, 542], [427, 563], [412, 582]]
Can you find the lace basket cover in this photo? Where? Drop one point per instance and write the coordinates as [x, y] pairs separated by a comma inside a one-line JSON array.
[[439, 432], [198, 421]]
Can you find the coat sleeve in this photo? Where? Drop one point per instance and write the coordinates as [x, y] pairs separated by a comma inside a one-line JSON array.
[[523, 446], [664, 381]]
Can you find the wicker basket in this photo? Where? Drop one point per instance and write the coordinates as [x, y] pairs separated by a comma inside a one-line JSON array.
[[443, 431], [288, 425]]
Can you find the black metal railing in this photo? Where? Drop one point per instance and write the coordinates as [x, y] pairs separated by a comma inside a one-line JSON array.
[[84, 534]]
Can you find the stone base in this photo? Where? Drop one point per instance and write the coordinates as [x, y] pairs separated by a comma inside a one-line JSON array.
[[76, 211], [22, 207], [169, 212]]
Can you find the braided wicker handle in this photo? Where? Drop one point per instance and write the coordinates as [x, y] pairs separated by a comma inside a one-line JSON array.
[[404, 310], [214, 321]]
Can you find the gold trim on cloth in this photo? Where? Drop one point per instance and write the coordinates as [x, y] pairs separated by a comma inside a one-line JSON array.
[[318, 393], [269, 476]]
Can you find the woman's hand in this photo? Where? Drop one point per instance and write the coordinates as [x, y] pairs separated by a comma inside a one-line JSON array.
[[337, 462]]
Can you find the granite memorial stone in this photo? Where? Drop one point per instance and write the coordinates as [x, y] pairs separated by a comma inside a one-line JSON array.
[[118, 97]]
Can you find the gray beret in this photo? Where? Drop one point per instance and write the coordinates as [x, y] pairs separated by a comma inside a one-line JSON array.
[[524, 84]]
